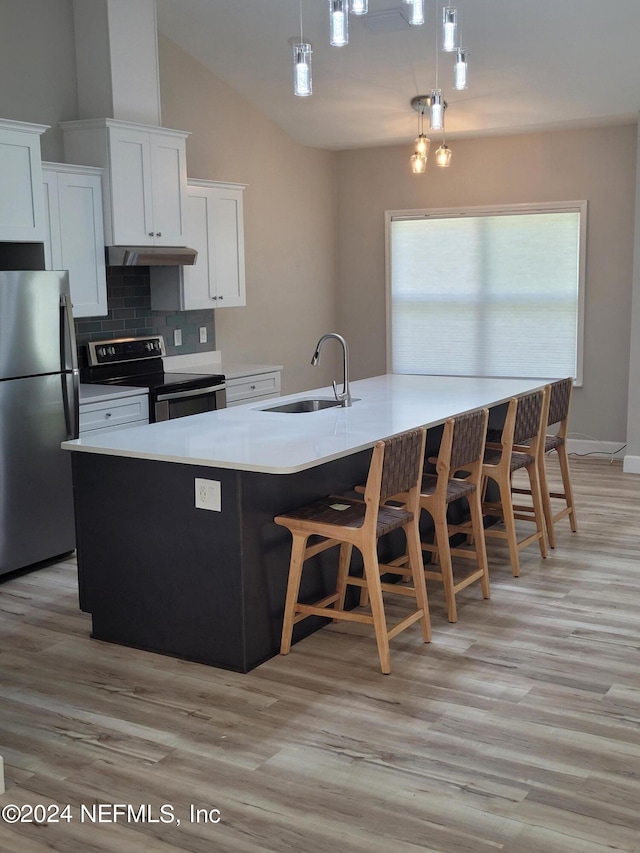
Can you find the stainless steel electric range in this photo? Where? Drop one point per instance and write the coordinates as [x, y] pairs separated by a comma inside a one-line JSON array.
[[137, 362]]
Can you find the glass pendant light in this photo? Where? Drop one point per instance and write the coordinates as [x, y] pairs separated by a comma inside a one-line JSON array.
[[418, 164], [338, 22], [359, 7], [436, 101], [422, 142], [436, 110], [302, 83], [417, 13], [443, 155], [460, 69], [449, 28]]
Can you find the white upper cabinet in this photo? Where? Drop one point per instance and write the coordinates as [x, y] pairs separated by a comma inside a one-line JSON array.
[[215, 228], [21, 207], [144, 178], [215, 220], [74, 238]]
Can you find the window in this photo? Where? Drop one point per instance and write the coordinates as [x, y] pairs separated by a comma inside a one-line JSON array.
[[487, 291]]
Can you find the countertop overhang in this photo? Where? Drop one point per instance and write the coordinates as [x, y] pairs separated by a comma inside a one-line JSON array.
[[247, 438]]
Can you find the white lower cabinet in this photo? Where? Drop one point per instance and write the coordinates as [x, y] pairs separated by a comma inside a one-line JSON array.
[[253, 388], [74, 233], [214, 227], [98, 416]]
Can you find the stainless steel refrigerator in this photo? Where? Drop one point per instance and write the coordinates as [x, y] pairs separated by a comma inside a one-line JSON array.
[[38, 410]]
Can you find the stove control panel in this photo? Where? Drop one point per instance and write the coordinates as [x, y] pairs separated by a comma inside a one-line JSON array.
[[125, 349]]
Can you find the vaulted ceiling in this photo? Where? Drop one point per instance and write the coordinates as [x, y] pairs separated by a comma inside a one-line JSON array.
[[533, 64]]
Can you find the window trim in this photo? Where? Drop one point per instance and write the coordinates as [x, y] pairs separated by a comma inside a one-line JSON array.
[[495, 210]]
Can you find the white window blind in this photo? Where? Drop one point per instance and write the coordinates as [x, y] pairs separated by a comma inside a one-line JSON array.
[[487, 293]]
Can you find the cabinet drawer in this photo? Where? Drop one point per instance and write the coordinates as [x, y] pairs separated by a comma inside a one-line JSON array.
[[248, 387], [254, 400], [114, 413]]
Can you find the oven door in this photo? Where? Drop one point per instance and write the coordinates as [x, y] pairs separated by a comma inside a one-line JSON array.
[[179, 404]]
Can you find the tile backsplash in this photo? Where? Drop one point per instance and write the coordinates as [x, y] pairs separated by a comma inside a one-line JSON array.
[[130, 315]]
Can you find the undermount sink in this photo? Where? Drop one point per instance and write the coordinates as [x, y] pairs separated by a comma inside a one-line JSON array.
[[299, 406]]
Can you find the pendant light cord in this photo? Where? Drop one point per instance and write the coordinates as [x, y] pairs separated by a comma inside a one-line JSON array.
[[301, 38], [436, 28]]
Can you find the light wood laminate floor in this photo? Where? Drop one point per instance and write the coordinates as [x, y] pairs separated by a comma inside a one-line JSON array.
[[516, 730]]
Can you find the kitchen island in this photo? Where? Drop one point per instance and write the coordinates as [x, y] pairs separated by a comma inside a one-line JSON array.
[[177, 549]]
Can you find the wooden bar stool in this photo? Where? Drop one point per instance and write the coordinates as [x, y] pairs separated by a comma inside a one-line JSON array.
[[461, 453], [520, 448], [396, 466], [558, 405]]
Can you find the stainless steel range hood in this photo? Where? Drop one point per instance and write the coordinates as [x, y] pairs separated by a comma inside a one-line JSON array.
[[150, 256]]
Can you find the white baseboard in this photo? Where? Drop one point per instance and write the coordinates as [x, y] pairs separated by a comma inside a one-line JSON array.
[[631, 465], [582, 447]]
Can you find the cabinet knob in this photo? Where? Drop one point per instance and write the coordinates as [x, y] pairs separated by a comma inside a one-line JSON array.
[[158, 233], [220, 297], [253, 387], [107, 414], [150, 233]]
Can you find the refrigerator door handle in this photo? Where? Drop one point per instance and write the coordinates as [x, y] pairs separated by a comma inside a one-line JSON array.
[[72, 412], [69, 364], [68, 354]]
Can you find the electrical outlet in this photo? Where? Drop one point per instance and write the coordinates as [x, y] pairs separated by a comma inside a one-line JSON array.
[[208, 494], [203, 334], [177, 337]]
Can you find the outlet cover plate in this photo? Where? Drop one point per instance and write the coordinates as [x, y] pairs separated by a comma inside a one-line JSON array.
[[208, 494]]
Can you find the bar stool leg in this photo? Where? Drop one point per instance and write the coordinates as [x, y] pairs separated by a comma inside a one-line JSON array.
[[563, 458], [534, 479], [510, 526], [372, 575], [298, 549], [546, 502], [344, 563], [416, 565], [475, 510], [446, 567]]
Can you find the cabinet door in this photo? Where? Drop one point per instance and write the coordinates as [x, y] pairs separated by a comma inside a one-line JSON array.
[[131, 192], [198, 285], [227, 247], [52, 240], [21, 203], [82, 242], [169, 177]]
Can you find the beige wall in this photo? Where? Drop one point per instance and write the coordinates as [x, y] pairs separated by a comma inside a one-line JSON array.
[[290, 234], [597, 165], [38, 66]]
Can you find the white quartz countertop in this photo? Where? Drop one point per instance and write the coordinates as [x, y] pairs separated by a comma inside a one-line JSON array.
[[246, 438], [214, 363], [104, 393], [234, 370]]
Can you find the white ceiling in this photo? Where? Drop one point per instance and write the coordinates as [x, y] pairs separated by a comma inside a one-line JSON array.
[[533, 65]]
